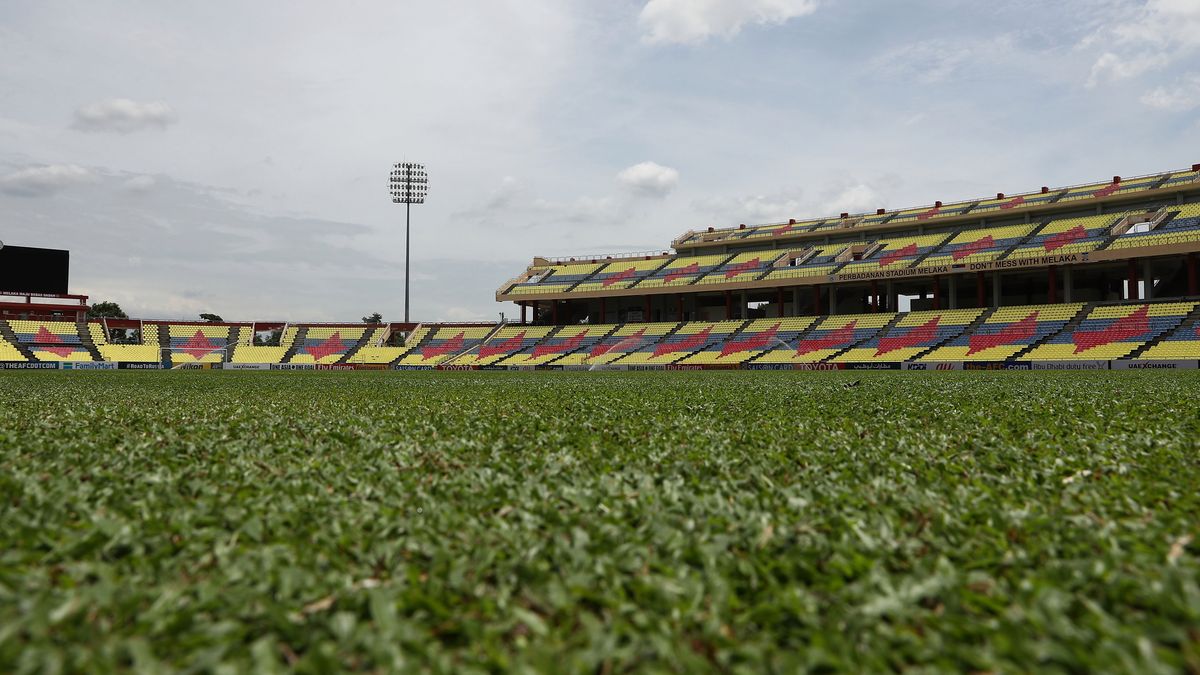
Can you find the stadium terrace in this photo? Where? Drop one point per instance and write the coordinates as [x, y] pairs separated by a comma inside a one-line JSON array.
[[1101, 275]]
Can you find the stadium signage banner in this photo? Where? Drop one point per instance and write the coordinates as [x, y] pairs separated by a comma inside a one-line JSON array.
[[460, 367], [138, 366], [247, 366], [943, 365], [819, 366], [645, 367], [196, 366], [984, 266], [89, 365], [1069, 365], [370, 366], [492, 368], [334, 366], [996, 365], [1155, 365], [872, 366], [28, 365], [407, 367], [697, 367], [293, 366]]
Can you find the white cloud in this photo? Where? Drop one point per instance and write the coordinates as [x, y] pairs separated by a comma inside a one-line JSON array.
[[1153, 36], [123, 116], [1111, 66], [44, 180], [139, 183], [694, 21], [855, 199], [649, 179], [1182, 97]]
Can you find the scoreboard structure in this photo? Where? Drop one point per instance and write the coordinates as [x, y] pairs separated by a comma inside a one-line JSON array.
[[25, 269]]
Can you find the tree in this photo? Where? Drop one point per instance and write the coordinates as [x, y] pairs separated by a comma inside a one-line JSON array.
[[374, 318], [106, 310], [211, 318]]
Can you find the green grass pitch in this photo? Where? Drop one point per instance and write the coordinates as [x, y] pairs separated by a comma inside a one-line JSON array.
[[599, 522]]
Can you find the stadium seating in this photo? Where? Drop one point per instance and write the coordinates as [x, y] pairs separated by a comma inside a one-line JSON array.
[[51, 340], [742, 267], [444, 345], [1112, 332], [758, 336], [324, 344], [9, 351], [682, 271], [506, 342], [567, 342], [977, 245], [1008, 203], [623, 341], [1110, 188], [690, 337], [828, 337], [375, 352], [1067, 235], [1182, 343], [249, 353], [913, 334], [1006, 332], [620, 274], [555, 278], [192, 343], [819, 261], [1184, 227], [925, 213], [896, 252], [148, 351]]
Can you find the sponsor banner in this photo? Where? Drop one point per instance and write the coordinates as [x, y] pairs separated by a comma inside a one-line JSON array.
[[493, 367], [369, 366], [547, 367], [196, 366], [334, 366], [679, 366], [122, 365], [648, 366], [408, 367], [88, 365], [991, 365], [819, 366], [28, 365], [710, 366], [872, 366], [769, 366], [293, 366], [1069, 365], [523, 368], [458, 367], [940, 365], [246, 366], [576, 368], [985, 266], [1154, 365]]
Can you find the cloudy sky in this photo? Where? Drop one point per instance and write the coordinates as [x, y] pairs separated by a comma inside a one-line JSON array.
[[232, 157]]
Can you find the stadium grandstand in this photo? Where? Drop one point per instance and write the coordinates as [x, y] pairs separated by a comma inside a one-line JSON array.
[[1101, 275]]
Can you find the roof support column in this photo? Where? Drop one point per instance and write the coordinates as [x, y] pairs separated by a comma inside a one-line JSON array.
[[554, 312], [779, 302], [1148, 279], [728, 305], [1192, 274], [1068, 282], [1052, 284], [997, 292], [646, 309], [873, 300], [937, 292], [603, 310], [523, 311], [980, 289], [1132, 291], [679, 305], [952, 291], [816, 291]]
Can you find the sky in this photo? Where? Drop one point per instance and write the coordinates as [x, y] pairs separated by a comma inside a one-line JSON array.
[[232, 157]]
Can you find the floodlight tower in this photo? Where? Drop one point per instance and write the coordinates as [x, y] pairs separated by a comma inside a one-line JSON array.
[[409, 184]]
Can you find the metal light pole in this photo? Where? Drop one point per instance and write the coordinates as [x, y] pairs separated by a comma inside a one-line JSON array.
[[409, 184]]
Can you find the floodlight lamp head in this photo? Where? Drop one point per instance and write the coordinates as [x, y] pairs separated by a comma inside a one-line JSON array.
[[408, 183]]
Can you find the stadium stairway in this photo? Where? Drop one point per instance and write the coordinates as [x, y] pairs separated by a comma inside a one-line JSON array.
[[1190, 324], [363, 341], [1069, 326], [1023, 241], [85, 338], [297, 341], [9, 336], [969, 329]]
